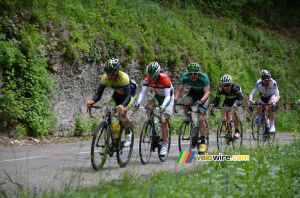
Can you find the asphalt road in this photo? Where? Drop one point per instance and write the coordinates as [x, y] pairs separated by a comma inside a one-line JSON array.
[[40, 168]]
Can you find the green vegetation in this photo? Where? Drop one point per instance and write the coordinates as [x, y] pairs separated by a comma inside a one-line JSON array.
[[236, 37], [82, 127]]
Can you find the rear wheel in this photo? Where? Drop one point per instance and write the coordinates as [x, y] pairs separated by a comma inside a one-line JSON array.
[[222, 138], [100, 146], [184, 137], [145, 143], [124, 153], [254, 126]]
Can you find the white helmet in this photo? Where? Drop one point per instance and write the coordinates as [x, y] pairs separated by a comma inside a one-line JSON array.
[[226, 79]]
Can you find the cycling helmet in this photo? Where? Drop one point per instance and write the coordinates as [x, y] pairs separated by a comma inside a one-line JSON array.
[[112, 65], [153, 69], [226, 79], [193, 67], [265, 75]]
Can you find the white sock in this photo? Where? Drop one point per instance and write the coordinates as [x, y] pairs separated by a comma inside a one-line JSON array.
[[271, 123]]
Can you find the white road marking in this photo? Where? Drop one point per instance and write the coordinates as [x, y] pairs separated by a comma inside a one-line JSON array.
[[27, 158]]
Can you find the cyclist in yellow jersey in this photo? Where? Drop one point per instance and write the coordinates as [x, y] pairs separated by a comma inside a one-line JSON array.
[[123, 96]]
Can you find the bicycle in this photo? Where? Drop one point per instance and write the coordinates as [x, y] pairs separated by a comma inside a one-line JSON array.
[[109, 138], [263, 127], [225, 132], [189, 129], [150, 138]]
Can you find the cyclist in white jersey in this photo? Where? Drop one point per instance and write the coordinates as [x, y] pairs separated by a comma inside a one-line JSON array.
[[268, 94]]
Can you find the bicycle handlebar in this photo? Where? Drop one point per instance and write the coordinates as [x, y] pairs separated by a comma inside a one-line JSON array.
[[98, 107], [186, 105], [260, 104]]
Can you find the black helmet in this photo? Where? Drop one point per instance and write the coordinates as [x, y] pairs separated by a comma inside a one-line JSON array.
[[265, 75], [112, 65]]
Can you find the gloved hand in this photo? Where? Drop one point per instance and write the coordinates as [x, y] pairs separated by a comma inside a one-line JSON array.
[[136, 106], [90, 103]]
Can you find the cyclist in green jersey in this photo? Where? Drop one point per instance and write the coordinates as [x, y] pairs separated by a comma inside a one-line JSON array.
[[123, 96], [198, 94]]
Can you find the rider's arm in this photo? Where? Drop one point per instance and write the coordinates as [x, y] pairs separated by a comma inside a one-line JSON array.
[[128, 97], [167, 97], [277, 96], [239, 99], [206, 94], [178, 92], [142, 94], [218, 96], [254, 90], [216, 101], [99, 93]]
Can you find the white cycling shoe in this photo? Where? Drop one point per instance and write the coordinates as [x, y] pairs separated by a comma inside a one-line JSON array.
[[127, 140]]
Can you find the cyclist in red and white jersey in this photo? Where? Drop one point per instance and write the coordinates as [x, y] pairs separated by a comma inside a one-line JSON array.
[[268, 94], [164, 98]]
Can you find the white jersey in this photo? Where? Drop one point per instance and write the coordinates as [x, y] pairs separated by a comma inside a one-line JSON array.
[[264, 91]]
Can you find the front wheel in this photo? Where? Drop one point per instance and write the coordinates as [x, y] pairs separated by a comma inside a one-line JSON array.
[[100, 146], [124, 153], [222, 136], [184, 137], [254, 125], [145, 150]]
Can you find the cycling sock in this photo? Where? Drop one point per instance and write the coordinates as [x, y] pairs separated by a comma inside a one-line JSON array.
[[202, 140]]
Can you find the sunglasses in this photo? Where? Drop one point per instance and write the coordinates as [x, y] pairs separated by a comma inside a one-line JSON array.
[[193, 74], [152, 77], [112, 74], [226, 85], [266, 80]]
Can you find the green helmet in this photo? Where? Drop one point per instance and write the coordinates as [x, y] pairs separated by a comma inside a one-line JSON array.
[[153, 69], [193, 67]]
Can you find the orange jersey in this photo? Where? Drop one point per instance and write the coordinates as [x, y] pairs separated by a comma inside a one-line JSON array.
[[159, 86]]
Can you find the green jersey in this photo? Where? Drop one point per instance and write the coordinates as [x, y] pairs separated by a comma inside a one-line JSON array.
[[198, 85]]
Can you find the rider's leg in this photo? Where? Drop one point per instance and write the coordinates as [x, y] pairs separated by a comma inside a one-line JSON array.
[[271, 115], [202, 125], [235, 116], [152, 104], [124, 119], [165, 128]]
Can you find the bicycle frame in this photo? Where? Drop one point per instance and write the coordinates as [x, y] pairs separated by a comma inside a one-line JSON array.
[[226, 122]]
